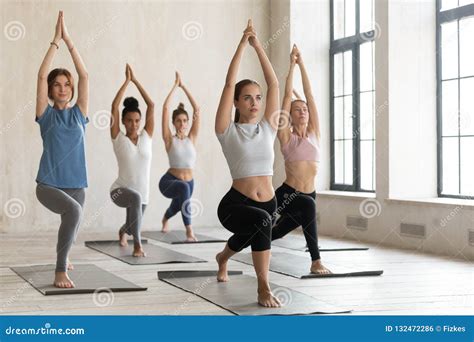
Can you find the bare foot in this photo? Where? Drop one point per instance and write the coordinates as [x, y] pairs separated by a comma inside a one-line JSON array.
[[123, 238], [165, 227], [62, 280], [138, 251], [318, 268], [190, 235], [222, 275], [267, 299], [70, 266]]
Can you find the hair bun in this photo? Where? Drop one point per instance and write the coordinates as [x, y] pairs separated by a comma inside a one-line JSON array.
[[130, 102], [181, 106]]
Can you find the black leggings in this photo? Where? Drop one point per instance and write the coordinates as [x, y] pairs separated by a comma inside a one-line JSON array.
[[249, 220], [296, 209]]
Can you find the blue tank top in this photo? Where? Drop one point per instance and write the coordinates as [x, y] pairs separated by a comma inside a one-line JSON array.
[[63, 162]]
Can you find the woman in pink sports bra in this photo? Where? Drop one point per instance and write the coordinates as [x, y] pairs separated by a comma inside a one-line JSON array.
[[299, 142]]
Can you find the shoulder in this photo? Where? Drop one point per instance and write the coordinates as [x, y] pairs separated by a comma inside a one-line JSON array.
[[47, 112], [227, 131]]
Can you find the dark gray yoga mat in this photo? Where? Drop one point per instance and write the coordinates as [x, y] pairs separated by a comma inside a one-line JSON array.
[[298, 266], [299, 244], [239, 294], [154, 254], [179, 237], [87, 278]]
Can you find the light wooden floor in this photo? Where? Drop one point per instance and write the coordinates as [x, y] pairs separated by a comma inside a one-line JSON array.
[[412, 283]]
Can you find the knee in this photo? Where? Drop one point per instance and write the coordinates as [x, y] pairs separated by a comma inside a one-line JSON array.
[[75, 211], [136, 199]]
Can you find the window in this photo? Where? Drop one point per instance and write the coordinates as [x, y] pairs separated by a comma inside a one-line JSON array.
[[352, 100], [455, 97]]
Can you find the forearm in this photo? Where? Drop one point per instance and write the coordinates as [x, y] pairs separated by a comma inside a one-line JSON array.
[[76, 58], [268, 72], [190, 98], [144, 94], [168, 98], [119, 96], [234, 65], [289, 81], [306, 82], [47, 61]]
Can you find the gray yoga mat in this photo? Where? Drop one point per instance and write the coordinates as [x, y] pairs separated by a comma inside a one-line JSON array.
[[87, 278], [239, 294], [179, 237], [298, 266], [299, 244], [154, 254]]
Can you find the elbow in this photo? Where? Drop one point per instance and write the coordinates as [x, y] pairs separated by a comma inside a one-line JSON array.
[[84, 75], [151, 104], [273, 84]]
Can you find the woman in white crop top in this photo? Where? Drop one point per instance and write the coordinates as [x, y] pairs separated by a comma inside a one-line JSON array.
[[177, 183], [133, 152], [248, 209]]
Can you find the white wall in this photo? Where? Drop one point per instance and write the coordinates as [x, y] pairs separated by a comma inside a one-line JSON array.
[[149, 35]]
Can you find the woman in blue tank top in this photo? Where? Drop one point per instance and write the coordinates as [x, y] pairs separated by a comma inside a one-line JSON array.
[[62, 174]]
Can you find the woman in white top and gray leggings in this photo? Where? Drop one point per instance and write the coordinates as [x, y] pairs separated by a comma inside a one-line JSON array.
[[177, 183], [248, 209], [133, 152]]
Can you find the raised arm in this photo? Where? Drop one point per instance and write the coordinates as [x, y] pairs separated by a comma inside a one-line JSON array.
[[224, 111], [115, 117], [165, 125], [284, 132], [150, 105], [83, 83], [193, 132], [272, 108], [297, 95], [313, 124], [42, 83]]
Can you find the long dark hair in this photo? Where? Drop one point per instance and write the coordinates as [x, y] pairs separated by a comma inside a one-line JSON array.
[[130, 104], [238, 89]]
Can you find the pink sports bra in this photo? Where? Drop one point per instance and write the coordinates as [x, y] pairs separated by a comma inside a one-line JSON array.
[[301, 149]]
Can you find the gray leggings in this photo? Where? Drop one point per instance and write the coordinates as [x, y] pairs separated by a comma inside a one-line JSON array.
[[132, 200], [69, 204]]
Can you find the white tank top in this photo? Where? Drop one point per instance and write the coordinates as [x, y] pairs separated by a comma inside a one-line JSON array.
[[134, 162], [248, 148], [182, 154]]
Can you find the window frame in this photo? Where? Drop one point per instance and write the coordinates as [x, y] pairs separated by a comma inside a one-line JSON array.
[[351, 43], [442, 17]]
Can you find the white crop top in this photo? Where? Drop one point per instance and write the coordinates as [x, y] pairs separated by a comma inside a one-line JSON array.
[[182, 154], [248, 148]]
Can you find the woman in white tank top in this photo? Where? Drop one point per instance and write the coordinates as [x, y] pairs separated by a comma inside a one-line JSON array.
[[133, 151], [177, 183]]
